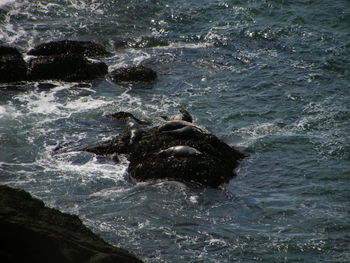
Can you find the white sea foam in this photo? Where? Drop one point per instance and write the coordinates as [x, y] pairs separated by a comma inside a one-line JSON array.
[[8, 111], [6, 2], [48, 103], [183, 45], [254, 132], [88, 166]]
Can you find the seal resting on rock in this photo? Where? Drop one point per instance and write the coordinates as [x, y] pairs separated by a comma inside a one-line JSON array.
[[185, 132], [180, 151], [173, 125], [134, 130], [176, 150], [123, 116], [184, 116]]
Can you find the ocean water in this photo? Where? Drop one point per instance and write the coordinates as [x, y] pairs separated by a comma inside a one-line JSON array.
[[271, 78]]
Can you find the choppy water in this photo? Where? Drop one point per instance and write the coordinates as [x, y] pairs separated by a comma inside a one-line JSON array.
[[269, 77]]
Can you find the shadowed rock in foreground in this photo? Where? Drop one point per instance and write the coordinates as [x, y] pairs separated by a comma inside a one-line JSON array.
[[31, 232], [175, 150]]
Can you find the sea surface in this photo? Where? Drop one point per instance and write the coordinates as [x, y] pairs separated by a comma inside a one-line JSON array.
[[271, 78]]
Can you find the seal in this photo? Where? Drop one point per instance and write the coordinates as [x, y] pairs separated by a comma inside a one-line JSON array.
[[124, 117], [184, 116], [173, 125], [134, 130], [185, 132], [180, 151]]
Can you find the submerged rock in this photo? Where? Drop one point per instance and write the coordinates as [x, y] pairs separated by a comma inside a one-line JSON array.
[[133, 74], [32, 232], [65, 67], [64, 47], [182, 152], [12, 65]]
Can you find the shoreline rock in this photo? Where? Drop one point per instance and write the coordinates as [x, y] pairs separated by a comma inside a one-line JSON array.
[[33, 232]]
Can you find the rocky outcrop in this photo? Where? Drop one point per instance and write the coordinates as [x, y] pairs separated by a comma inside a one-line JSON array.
[[69, 67], [133, 74], [64, 47], [176, 150], [204, 159], [65, 60], [12, 66], [31, 232]]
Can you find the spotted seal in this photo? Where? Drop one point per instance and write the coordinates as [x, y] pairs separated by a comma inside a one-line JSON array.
[[123, 116], [180, 151], [173, 125], [184, 116], [185, 132], [134, 130]]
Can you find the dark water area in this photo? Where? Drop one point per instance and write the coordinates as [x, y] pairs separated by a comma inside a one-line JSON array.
[[270, 78]]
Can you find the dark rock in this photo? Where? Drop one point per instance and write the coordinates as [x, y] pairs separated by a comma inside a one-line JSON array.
[[119, 144], [64, 47], [12, 65], [66, 68], [32, 232], [46, 86], [123, 116], [212, 165], [133, 74]]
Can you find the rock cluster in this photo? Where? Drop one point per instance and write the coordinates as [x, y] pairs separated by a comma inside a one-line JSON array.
[[32, 232], [65, 60], [175, 150]]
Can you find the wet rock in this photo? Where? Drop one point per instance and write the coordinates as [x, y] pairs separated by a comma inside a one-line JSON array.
[[33, 232], [133, 74], [119, 145], [12, 65], [64, 47], [184, 153], [201, 158], [66, 68]]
